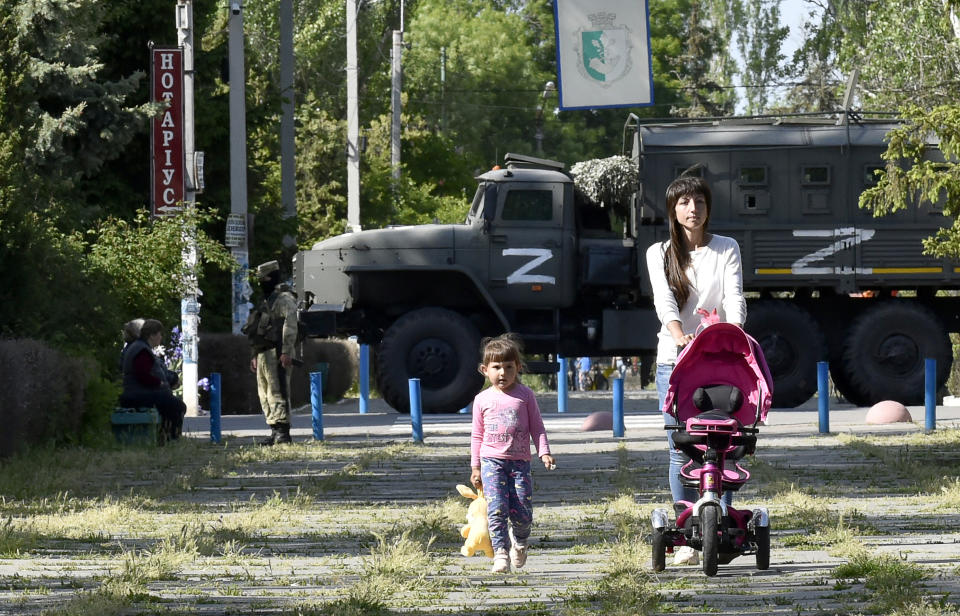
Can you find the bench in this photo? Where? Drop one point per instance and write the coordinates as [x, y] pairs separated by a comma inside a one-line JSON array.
[[136, 426]]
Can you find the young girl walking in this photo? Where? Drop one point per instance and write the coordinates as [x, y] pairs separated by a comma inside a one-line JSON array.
[[505, 418]]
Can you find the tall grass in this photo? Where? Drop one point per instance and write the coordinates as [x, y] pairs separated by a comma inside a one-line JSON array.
[[625, 587], [894, 583]]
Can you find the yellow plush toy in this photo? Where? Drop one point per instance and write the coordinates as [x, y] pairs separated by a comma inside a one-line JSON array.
[[475, 532]]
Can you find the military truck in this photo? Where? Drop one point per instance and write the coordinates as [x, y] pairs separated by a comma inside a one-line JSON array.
[[824, 279]]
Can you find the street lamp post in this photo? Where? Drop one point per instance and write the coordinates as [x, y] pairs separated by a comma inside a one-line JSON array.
[[547, 89]]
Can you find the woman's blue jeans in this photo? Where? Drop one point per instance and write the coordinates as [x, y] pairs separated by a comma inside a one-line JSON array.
[[677, 458]]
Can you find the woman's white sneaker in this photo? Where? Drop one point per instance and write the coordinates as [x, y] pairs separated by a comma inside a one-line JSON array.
[[686, 555]]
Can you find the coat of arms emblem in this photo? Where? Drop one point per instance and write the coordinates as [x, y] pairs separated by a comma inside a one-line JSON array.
[[603, 49]]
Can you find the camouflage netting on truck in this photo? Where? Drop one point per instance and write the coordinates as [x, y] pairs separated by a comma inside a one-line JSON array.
[[608, 182]]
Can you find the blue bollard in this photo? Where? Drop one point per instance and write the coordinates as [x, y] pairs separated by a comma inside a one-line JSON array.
[[823, 395], [316, 402], [416, 413], [364, 377], [562, 386], [215, 407], [618, 427], [930, 393]]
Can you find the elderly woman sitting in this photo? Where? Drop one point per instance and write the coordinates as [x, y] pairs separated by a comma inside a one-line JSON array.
[[148, 383]]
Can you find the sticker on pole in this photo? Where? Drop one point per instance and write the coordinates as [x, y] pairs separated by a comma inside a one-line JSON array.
[[236, 234]]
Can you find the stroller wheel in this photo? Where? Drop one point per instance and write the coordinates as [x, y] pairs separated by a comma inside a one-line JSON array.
[[659, 550], [763, 547], [709, 518]]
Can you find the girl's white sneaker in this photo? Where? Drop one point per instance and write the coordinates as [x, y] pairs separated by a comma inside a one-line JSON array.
[[518, 556], [501, 562]]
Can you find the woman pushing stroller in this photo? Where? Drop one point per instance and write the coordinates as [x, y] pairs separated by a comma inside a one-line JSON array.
[[694, 269]]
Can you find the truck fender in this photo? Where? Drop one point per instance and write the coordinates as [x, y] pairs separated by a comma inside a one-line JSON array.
[[484, 295]]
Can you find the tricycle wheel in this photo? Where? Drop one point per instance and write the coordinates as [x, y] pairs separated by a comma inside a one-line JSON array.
[[659, 550], [763, 547], [709, 517]]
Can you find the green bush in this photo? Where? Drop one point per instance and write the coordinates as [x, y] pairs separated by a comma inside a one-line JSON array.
[[44, 394], [229, 355], [341, 357], [100, 399]]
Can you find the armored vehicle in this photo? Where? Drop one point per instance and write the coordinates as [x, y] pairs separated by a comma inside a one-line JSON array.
[[824, 280]]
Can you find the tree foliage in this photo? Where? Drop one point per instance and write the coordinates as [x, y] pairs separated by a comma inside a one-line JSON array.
[[705, 68], [144, 258], [908, 56], [65, 122], [815, 68], [77, 120], [472, 68], [760, 38], [75, 142], [921, 165], [907, 53]]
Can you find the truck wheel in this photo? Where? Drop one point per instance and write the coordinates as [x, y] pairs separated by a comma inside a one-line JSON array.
[[885, 351], [792, 344], [438, 346], [841, 380]]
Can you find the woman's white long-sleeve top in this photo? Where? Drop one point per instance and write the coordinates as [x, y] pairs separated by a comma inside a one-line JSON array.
[[716, 280]]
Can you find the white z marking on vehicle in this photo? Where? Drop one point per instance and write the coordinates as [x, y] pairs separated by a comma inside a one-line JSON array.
[[520, 275], [849, 237]]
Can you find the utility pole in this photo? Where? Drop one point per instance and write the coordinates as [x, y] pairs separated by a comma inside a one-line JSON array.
[[288, 168], [443, 90], [353, 128], [547, 89], [236, 236], [396, 74], [190, 304]]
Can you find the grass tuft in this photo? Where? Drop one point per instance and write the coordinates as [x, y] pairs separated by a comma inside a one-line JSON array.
[[894, 583], [625, 588]]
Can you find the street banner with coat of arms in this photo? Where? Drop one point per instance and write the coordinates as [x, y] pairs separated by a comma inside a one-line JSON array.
[[603, 53]]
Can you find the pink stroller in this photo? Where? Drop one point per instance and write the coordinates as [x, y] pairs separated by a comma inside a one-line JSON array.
[[720, 390]]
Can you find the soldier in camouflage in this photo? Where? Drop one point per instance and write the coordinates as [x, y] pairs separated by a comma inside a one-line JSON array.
[[272, 330]]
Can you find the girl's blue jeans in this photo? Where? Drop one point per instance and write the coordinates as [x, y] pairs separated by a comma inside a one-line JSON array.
[[677, 458]]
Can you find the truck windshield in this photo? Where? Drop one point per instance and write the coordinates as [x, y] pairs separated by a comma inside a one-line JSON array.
[[476, 208]]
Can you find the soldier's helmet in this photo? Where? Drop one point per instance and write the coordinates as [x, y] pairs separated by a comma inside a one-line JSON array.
[[265, 269]]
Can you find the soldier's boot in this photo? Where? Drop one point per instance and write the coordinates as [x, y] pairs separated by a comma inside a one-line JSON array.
[[270, 440], [283, 434]]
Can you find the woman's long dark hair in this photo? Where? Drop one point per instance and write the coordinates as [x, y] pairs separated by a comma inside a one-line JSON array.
[[677, 256]]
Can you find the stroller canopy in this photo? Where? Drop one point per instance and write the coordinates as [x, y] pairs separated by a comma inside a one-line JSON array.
[[721, 354]]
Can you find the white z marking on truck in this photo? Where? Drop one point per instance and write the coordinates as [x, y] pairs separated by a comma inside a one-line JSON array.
[[520, 275], [848, 238]]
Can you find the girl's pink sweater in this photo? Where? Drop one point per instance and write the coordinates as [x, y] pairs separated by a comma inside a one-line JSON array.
[[504, 422]]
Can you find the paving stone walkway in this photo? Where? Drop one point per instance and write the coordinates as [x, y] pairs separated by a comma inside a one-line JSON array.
[[579, 514]]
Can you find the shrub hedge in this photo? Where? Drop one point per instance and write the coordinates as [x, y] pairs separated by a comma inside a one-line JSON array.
[[229, 355], [44, 394], [51, 397], [341, 357]]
